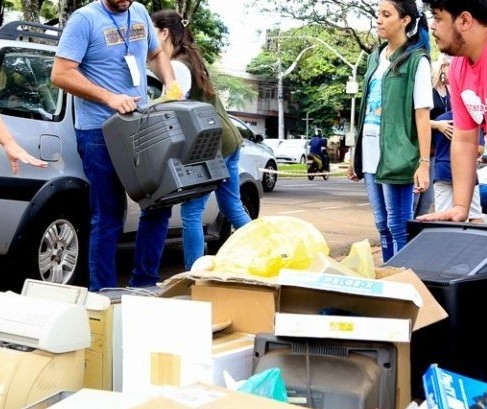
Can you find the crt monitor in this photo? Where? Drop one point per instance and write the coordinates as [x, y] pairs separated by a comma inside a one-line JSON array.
[[331, 373], [167, 153]]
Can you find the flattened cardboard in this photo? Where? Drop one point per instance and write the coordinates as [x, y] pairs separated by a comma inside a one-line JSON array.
[[212, 397]]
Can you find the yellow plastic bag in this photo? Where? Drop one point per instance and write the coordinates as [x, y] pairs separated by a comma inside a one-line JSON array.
[[265, 245], [360, 259], [172, 93]]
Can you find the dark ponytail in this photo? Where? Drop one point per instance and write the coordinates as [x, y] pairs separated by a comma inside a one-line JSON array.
[[185, 49]]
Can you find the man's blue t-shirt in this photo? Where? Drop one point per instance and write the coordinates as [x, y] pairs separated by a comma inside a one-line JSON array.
[[92, 39]]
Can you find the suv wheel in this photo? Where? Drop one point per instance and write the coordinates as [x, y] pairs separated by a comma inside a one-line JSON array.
[[269, 179], [57, 248], [58, 252]]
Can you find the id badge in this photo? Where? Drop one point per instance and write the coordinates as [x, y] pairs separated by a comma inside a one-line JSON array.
[[133, 68]]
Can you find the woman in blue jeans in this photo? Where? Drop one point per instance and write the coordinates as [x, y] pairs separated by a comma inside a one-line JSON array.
[[177, 41], [393, 139]]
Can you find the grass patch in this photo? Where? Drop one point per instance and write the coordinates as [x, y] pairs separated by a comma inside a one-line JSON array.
[[292, 167], [301, 169]]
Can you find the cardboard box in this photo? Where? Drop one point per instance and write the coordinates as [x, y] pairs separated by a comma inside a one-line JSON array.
[[449, 390], [211, 397], [232, 352], [252, 303]]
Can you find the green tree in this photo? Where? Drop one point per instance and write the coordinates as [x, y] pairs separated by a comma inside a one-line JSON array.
[[317, 84], [236, 91], [352, 18]]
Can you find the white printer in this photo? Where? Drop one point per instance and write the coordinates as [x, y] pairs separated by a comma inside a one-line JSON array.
[[52, 326], [42, 347]]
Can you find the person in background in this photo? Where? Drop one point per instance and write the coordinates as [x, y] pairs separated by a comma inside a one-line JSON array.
[[14, 152], [394, 135], [460, 30], [318, 146], [442, 181], [178, 42], [101, 59], [423, 202]]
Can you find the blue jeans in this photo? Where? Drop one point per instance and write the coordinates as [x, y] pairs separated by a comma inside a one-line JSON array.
[[229, 203], [108, 204], [392, 206]]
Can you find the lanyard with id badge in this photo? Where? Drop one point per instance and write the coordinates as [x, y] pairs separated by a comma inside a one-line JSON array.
[[129, 58]]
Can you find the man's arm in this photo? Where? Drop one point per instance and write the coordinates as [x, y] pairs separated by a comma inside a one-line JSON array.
[[464, 148], [65, 75], [464, 153], [160, 65]]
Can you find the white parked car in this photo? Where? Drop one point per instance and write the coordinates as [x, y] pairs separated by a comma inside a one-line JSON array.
[[292, 151], [263, 155]]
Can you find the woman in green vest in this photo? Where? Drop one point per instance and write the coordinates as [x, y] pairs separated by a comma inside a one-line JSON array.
[[393, 132]]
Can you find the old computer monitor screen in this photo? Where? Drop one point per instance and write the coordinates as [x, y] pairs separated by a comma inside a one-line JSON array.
[[331, 373]]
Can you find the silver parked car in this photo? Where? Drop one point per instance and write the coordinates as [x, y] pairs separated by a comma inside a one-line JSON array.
[[45, 212]]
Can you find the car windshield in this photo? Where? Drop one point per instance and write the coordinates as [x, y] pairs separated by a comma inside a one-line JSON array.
[[25, 86]]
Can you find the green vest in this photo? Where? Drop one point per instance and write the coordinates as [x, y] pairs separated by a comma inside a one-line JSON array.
[[399, 145]]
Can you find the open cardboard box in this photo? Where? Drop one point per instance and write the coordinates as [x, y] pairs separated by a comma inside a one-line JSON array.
[[257, 304]]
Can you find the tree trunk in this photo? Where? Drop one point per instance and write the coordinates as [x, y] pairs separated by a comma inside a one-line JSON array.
[[66, 8], [31, 10], [187, 8]]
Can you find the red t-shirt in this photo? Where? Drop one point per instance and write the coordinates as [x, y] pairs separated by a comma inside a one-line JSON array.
[[468, 85]]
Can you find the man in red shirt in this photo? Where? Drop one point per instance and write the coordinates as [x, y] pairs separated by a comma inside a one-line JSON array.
[[460, 30]]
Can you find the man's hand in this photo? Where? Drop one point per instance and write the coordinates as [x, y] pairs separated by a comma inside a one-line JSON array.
[[455, 214], [122, 103]]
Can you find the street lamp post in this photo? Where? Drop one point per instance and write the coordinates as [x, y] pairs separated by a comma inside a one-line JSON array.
[[307, 119], [280, 92], [352, 85], [352, 88]]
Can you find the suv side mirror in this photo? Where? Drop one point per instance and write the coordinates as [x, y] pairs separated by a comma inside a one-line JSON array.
[[259, 138]]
